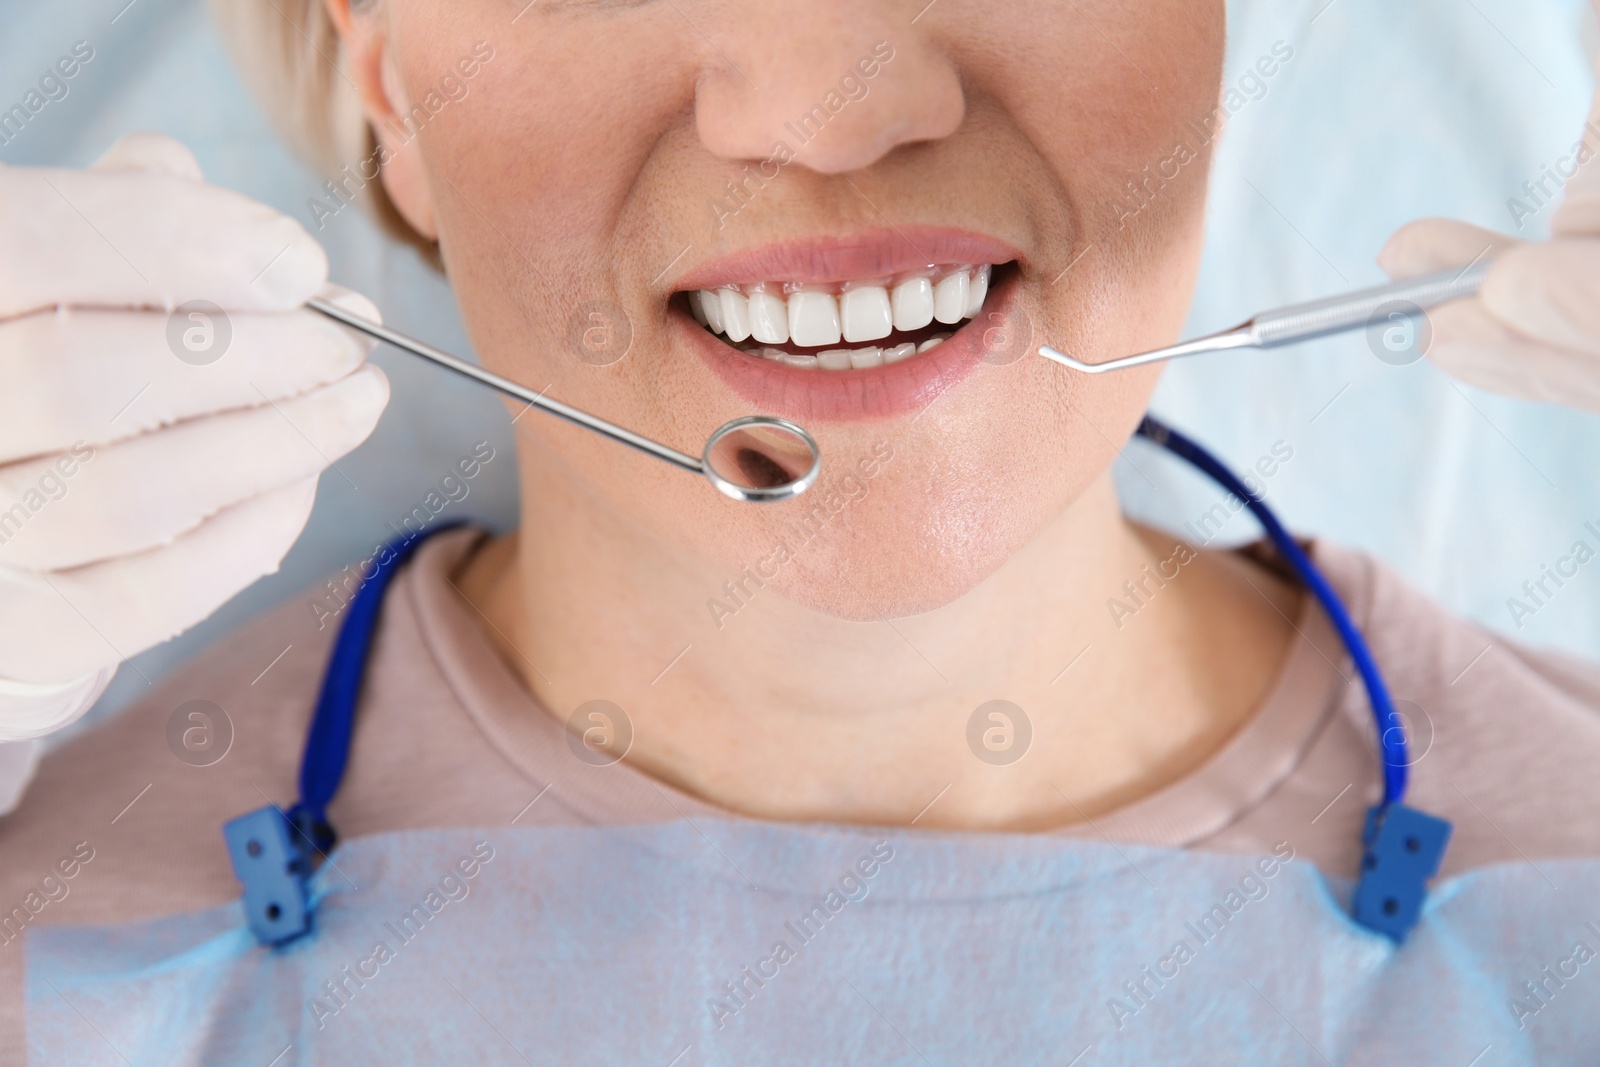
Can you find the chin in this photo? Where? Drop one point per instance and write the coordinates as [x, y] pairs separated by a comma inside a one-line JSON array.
[[929, 514], [864, 579]]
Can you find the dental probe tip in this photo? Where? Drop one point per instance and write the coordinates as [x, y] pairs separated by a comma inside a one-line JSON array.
[[1067, 361]]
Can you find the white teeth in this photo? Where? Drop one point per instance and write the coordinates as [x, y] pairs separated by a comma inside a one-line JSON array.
[[813, 319], [865, 313], [862, 311], [913, 304], [711, 308], [846, 358], [735, 314], [979, 290], [769, 318], [950, 297]]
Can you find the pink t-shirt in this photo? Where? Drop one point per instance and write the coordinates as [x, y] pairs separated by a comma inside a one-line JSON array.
[[1506, 744]]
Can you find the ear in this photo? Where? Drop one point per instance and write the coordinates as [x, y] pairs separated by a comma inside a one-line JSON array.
[[370, 65]]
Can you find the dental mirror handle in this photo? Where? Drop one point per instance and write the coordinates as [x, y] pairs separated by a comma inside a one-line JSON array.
[[1303, 322], [507, 386]]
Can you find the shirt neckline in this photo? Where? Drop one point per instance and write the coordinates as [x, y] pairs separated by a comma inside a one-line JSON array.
[[1237, 777]]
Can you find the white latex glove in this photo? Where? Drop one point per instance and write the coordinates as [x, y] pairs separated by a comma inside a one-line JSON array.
[[1533, 331], [139, 491]]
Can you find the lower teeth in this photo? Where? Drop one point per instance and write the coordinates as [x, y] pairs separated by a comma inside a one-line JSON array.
[[846, 358]]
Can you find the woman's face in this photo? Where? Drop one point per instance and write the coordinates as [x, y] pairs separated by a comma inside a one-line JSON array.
[[825, 170]]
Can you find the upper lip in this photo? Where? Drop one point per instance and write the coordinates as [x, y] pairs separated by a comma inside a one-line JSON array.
[[869, 254]]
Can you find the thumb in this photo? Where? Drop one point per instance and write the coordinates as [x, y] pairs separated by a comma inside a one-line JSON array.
[[150, 153], [1438, 244]]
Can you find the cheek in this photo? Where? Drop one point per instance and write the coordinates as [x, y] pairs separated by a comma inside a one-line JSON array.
[[1142, 79], [540, 169], [547, 179]]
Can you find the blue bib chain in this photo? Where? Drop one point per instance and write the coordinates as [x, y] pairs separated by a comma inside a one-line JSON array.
[[274, 852], [1401, 847]]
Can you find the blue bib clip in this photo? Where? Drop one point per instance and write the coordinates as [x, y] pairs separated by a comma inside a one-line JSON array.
[[1403, 848]]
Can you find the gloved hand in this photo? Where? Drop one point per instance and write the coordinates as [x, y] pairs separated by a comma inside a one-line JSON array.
[[1533, 330], [152, 465]]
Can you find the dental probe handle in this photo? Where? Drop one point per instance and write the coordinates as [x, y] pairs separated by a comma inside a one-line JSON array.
[[1302, 322], [507, 386], [1318, 318]]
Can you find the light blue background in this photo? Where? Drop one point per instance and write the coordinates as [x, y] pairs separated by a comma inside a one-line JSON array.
[[1386, 113]]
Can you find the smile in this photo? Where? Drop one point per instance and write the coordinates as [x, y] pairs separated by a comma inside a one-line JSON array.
[[796, 323], [844, 328]]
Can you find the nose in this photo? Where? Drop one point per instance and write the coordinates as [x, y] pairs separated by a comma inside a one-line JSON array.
[[834, 84]]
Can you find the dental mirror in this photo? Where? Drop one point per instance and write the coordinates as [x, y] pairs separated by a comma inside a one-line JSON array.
[[759, 458]]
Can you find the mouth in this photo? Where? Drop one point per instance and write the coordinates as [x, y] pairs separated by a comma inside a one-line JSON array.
[[842, 330], [879, 320]]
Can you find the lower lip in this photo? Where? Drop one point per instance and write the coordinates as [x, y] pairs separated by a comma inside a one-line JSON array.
[[851, 395]]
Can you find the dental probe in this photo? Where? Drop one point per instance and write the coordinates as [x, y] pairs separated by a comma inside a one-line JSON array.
[[1303, 322], [726, 461]]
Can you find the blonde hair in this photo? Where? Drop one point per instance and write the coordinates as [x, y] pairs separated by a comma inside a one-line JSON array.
[[292, 59]]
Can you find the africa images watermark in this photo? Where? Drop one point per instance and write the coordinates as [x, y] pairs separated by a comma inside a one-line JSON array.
[[404, 128], [1551, 980], [52, 889], [1251, 888], [1537, 592], [852, 89], [453, 887], [50, 485], [851, 887], [1138, 592], [1546, 188], [1143, 191], [337, 592], [827, 503], [52, 88], [1149, 583], [1206, 526]]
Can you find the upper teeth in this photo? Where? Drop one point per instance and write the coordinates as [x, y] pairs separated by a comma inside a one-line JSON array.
[[813, 316]]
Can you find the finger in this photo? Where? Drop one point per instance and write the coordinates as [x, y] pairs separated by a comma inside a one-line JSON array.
[[128, 239], [102, 376], [151, 153], [1579, 212], [97, 504], [63, 625], [1473, 345], [1438, 244], [350, 300], [1549, 292], [28, 711]]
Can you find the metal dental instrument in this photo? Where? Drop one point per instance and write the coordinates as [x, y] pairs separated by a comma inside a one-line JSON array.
[[759, 458], [1303, 322]]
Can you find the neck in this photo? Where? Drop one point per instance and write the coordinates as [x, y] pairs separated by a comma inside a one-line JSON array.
[[790, 714]]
